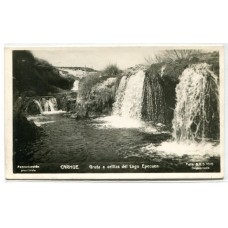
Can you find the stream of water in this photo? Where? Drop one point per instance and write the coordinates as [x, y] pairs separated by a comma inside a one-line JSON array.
[[100, 141], [124, 138]]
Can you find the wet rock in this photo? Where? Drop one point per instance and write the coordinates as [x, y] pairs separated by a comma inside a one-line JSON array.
[[23, 129]]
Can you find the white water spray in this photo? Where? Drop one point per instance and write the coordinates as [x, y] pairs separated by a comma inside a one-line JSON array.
[[196, 116], [129, 96], [39, 105], [48, 106], [75, 85], [128, 105], [117, 106]]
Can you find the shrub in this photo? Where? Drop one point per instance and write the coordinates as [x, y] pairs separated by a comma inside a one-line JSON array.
[[36, 76], [85, 86], [169, 56], [111, 70], [182, 58]]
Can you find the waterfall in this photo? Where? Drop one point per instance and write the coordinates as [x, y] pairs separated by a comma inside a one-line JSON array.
[[196, 115], [53, 104], [75, 85], [129, 96], [126, 112], [39, 105], [50, 104], [46, 106], [117, 106]]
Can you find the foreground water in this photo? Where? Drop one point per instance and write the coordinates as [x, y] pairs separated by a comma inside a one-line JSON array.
[[93, 143]]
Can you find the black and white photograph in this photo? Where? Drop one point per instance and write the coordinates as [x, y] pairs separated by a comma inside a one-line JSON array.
[[115, 112]]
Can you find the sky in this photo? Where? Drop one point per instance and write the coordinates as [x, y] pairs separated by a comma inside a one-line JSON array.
[[96, 57]]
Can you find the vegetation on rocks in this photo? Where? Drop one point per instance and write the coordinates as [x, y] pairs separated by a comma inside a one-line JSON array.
[[97, 91], [32, 76], [163, 75], [111, 70]]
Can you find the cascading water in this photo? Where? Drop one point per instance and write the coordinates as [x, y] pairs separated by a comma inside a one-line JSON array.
[[117, 106], [53, 104], [46, 106], [129, 103], [39, 105], [75, 85], [196, 116], [50, 104]]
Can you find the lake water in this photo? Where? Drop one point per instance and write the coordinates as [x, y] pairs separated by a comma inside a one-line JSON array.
[[112, 142]]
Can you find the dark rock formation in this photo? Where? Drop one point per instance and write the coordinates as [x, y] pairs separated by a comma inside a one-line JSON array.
[[22, 128], [36, 77]]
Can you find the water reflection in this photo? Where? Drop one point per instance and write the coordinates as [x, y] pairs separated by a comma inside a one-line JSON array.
[[66, 140]]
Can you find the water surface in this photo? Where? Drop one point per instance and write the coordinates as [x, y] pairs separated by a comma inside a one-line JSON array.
[[102, 141]]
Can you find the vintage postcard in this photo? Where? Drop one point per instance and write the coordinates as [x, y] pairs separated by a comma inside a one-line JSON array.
[[114, 112]]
